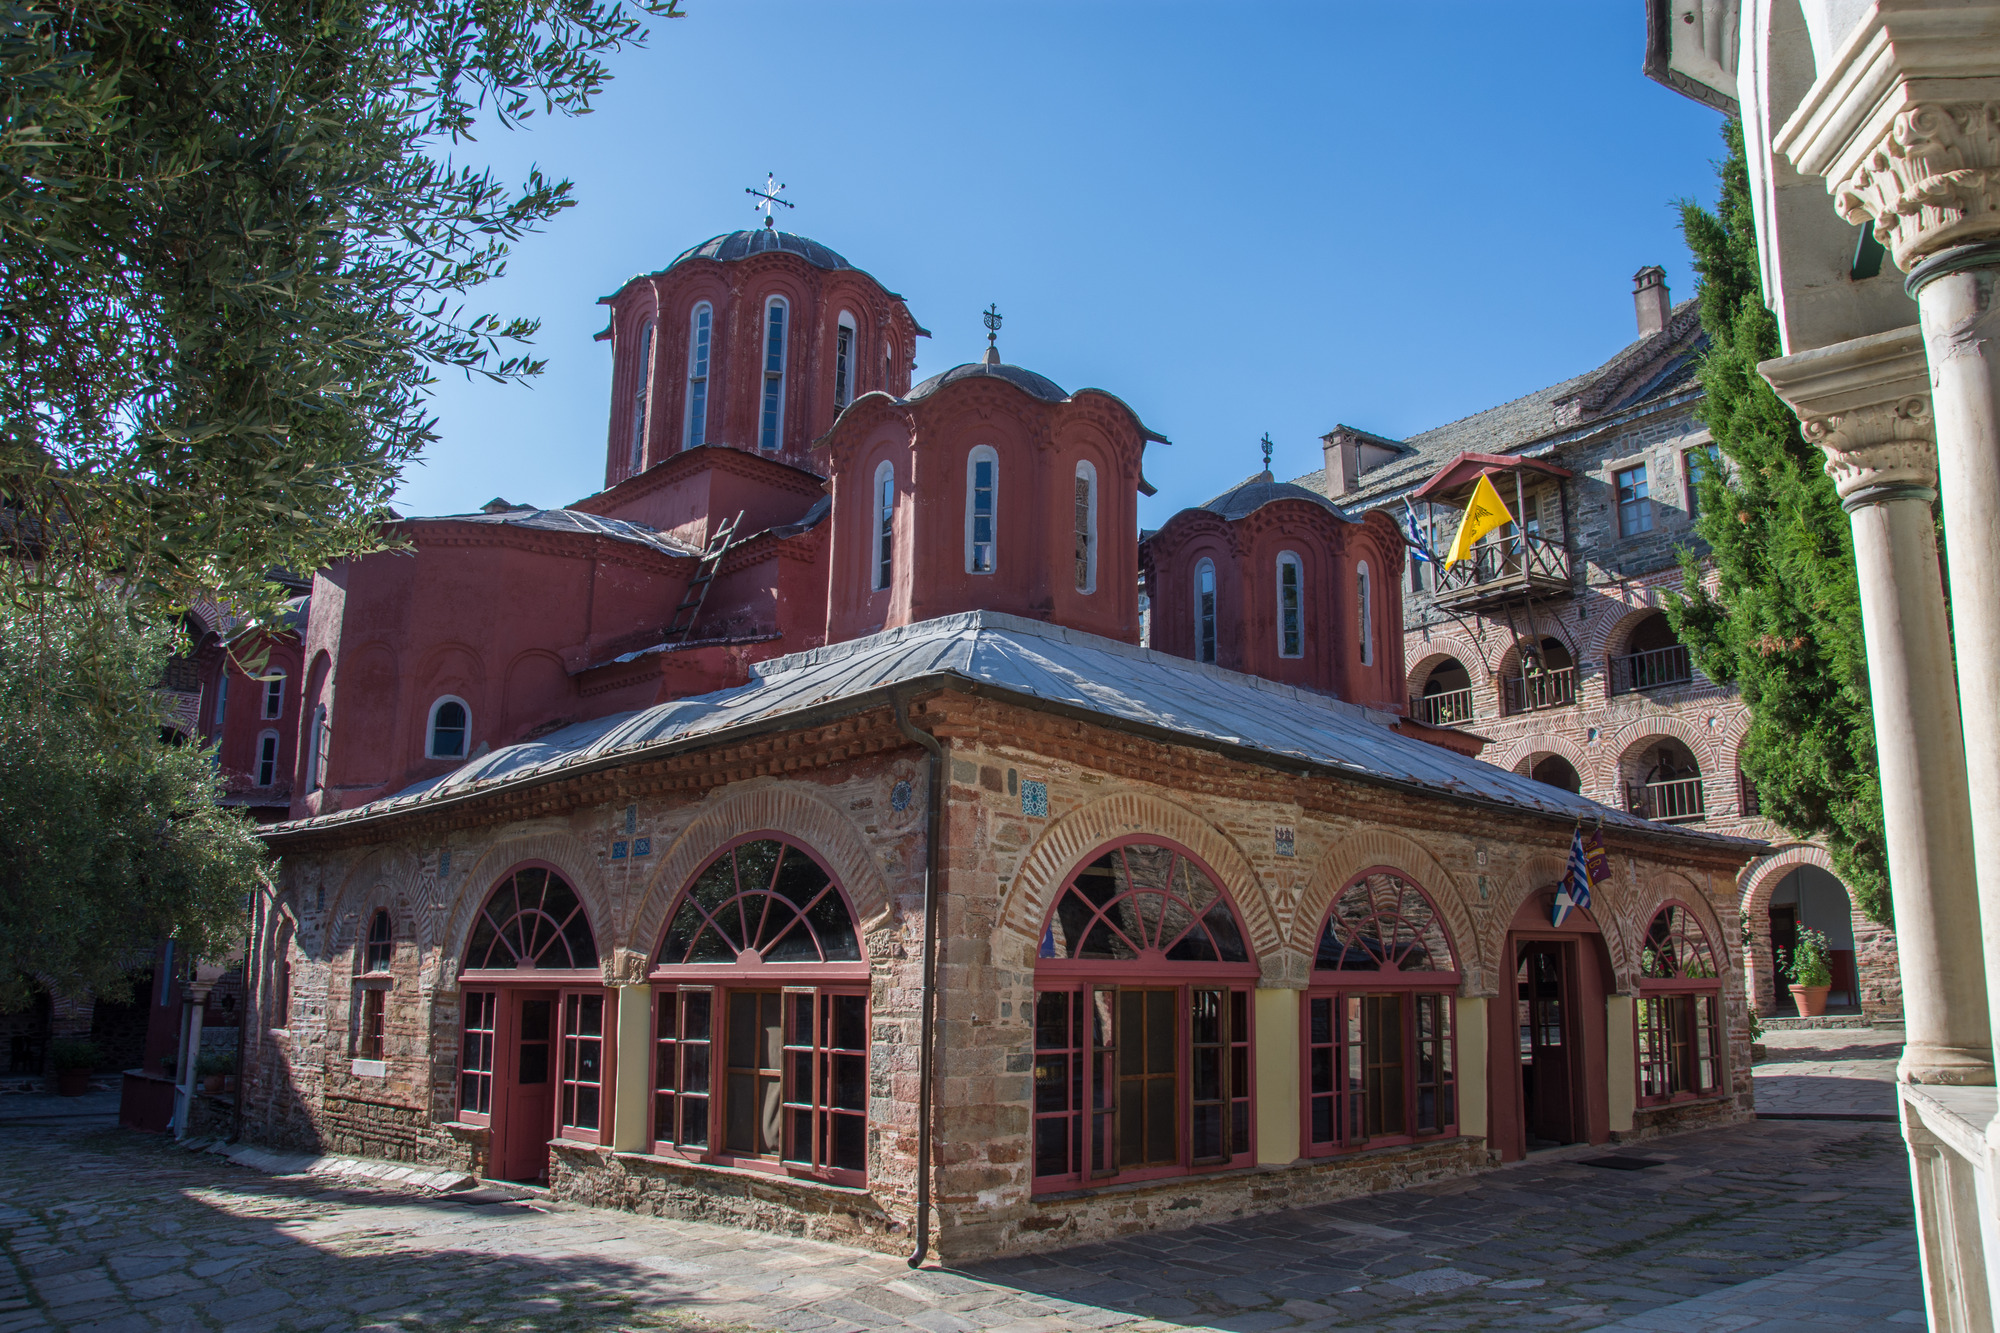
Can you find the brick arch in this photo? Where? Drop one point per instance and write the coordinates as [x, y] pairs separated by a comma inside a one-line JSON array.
[[1664, 886], [1066, 842], [1610, 904], [1618, 631], [1701, 741], [793, 809], [1512, 756], [1408, 858], [380, 878], [1436, 650], [575, 860], [1510, 645], [1754, 886]]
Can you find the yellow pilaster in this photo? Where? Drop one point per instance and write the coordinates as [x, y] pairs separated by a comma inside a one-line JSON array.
[[1621, 1061], [1471, 1070], [635, 1032], [1277, 1038]]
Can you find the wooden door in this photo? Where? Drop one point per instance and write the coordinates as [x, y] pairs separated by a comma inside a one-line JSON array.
[[528, 1122], [1548, 1045]]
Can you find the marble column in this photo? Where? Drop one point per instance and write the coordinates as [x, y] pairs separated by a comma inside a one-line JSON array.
[[1864, 404]]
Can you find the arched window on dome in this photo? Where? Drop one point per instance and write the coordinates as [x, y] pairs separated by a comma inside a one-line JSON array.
[[1204, 611], [760, 1010], [771, 417], [883, 556], [846, 355], [1291, 605], [642, 379], [1680, 989], [534, 1023], [1141, 1022], [1083, 526], [1380, 1038], [448, 728], [701, 331], [982, 499]]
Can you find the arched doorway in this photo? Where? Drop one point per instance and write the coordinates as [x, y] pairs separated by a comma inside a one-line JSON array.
[[1663, 782], [534, 1035], [760, 1018], [1446, 698], [1143, 986], [1811, 897], [1381, 1020], [1538, 674], [1552, 1034], [1653, 658], [1557, 771]]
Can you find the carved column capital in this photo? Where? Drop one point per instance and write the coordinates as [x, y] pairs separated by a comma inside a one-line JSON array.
[[1932, 181], [1866, 403], [1903, 124]]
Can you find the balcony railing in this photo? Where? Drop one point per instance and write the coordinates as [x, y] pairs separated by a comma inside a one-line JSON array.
[[1508, 565], [1447, 709], [1651, 669], [1674, 801], [1541, 689]]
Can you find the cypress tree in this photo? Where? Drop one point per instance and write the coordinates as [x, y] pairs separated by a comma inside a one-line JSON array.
[[1773, 607]]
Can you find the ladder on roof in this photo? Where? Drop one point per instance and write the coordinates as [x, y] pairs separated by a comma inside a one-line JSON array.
[[704, 574]]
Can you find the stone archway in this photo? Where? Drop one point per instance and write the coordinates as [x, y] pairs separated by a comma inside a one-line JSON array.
[[1387, 849]]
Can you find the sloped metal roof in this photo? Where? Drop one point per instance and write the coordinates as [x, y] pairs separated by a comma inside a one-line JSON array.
[[736, 245], [1028, 382], [1247, 497], [1034, 664], [571, 520]]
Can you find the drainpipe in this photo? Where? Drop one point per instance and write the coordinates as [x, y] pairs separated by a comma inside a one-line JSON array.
[[933, 869]]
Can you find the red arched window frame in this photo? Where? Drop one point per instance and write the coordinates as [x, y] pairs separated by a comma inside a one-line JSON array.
[[1141, 1028], [762, 1061], [1379, 1042], [534, 920], [1677, 1013]]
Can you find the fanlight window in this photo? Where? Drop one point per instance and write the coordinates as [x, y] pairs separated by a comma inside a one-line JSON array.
[[533, 920], [766, 897], [1140, 900], [1676, 946], [1383, 923]]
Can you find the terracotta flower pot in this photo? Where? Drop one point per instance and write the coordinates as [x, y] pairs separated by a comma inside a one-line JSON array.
[[72, 1082], [1810, 999], [213, 1082]]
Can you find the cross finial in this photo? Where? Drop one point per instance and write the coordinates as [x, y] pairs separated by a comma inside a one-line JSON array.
[[1267, 451], [992, 317], [767, 198]]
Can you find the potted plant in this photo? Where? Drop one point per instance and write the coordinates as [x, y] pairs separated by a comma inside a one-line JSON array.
[[213, 1068], [1810, 969], [74, 1059]]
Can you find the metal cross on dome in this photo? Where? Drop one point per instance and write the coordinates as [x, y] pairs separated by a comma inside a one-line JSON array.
[[1267, 451], [767, 198], [991, 315]]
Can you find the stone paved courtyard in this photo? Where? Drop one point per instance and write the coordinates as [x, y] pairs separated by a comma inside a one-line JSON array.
[[1781, 1224]]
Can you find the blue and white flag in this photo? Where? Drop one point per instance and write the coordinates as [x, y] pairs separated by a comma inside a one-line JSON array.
[[1575, 889], [1413, 533]]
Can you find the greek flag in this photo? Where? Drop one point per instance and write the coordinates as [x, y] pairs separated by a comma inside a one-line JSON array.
[[1575, 890], [1413, 533]]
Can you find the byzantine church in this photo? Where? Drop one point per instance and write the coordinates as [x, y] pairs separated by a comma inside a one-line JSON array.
[[849, 822]]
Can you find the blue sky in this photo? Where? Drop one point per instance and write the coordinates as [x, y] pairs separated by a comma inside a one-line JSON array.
[[1240, 216]]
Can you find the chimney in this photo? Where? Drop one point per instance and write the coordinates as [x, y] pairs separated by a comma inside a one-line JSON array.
[[1343, 462], [1649, 298]]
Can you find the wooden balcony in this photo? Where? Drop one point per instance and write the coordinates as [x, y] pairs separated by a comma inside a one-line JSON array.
[[1540, 689], [1511, 567], [1448, 709], [1651, 670], [1675, 801]]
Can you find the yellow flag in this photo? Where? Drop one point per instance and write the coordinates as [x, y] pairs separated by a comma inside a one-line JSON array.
[[1482, 515]]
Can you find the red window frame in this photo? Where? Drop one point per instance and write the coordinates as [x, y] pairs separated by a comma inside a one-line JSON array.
[[1677, 1011], [1376, 978], [1112, 1106], [586, 1035], [815, 1066], [479, 1040]]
